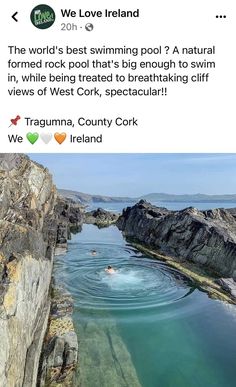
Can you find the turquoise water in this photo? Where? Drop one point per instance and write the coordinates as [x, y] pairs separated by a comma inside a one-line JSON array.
[[147, 325]]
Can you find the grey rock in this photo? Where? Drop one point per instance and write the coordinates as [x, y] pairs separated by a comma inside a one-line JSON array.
[[60, 350], [27, 241], [100, 217], [70, 216], [204, 237], [33, 222]]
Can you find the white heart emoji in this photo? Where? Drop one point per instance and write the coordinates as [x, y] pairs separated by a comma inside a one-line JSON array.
[[46, 137]]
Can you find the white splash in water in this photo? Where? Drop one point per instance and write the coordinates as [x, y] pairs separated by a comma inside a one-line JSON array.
[[231, 309], [123, 280]]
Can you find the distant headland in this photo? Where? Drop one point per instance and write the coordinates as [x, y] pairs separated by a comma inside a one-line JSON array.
[[152, 197]]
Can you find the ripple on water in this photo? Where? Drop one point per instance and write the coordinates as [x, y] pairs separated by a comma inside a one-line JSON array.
[[139, 283]]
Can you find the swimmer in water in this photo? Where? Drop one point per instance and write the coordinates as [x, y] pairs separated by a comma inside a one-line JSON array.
[[93, 252], [110, 270]]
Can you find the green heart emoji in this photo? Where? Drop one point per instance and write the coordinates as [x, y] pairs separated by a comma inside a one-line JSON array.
[[32, 137]]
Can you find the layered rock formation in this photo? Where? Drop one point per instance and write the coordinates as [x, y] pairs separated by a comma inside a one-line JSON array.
[[27, 237], [204, 237], [29, 232]]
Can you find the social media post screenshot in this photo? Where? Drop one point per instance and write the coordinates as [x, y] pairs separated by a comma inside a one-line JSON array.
[[124, 78], [117, 194], [117, 267]]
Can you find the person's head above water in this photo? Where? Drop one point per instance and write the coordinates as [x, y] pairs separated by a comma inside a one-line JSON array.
[[110, 269]]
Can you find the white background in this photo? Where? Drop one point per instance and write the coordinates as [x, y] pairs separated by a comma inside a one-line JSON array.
[[199, 118]]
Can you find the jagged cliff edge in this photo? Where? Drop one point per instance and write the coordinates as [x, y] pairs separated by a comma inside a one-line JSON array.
[[34, 222], [202, 239]]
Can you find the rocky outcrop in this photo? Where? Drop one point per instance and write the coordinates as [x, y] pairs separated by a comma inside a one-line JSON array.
[[100, 217], [70, 215], [207, 238], [27, 240], [60, 350], [29, 233]]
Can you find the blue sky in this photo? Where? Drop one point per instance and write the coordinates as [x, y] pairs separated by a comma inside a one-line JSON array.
[[138, 174]]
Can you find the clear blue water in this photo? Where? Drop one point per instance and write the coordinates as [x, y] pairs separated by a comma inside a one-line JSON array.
[[146, 325], [118, 207]]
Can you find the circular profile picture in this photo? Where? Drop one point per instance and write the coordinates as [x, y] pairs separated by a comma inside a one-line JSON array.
[[42, 16]]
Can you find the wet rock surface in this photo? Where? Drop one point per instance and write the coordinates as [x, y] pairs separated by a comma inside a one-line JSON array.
[[108, 362], [101, 217], [60, 350], [207, 238]]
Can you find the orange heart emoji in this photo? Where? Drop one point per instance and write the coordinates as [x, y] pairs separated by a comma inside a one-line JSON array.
[[60, 137]]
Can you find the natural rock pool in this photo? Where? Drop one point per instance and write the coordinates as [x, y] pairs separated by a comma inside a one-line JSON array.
[[147, 325]]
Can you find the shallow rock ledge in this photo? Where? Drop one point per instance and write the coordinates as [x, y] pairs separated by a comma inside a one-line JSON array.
[[60, 350]]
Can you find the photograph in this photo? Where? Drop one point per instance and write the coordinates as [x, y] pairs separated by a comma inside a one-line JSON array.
[[118, 269]]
